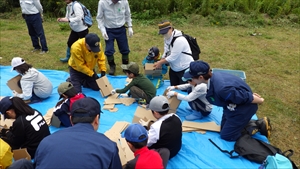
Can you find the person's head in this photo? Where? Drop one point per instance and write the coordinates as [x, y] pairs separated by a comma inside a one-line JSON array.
[[18, 64], [165, 29], [86, 110], [92, 42], [153, 53], [159, 105], [136, 136], [131, 70], [68, 1], [199, 71], [115, 1], [66, 90], [189, 80], [13, 107]]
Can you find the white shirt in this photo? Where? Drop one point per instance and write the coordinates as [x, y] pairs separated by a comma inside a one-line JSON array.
[[75, 17], [31, 7], [112, 15]]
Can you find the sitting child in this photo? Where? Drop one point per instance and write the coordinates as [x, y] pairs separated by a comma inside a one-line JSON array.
[[152, 57], [62, 109], [141, 88]]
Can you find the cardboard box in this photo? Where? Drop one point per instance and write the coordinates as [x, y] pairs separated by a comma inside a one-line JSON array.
[[173, 102], [150, 70], [142, 113], [21, 153], [13, 84], [105, 86]]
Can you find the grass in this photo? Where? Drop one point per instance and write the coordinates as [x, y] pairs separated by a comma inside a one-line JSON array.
[[270, 60]]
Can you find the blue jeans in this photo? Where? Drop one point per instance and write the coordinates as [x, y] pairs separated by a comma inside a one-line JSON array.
[[118, 34], [36, 31]]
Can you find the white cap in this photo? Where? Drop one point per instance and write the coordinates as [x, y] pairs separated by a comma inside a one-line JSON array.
[[16, 61]]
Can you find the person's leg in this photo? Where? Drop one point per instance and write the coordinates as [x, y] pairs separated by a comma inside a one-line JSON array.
[[76, 79], [34, 98], [122, 42], [109, 51], [38, 26], [73, 37], [139, 93], [173, 78], [90, 82], [179, 77], [164, 154], [21, 164], [31, 31], [65, 120]]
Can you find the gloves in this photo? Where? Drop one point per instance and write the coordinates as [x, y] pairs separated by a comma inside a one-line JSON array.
[[130, 31], [113, 91], [170, 94], [15, 93], [95, 76], [144, 123], [3, 132], [171, 88], [103, 73], [105, 36]]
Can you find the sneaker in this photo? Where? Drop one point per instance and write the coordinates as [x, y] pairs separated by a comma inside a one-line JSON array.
[[141, 101], [264, 126], [35, 50], [43, 52], [194, 116]]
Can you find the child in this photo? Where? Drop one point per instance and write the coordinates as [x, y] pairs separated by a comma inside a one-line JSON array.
[[140, 87], [62, 109], [199, 106], [154, 56], [236, 98], [166, 132], [136, 137], [35, 85]]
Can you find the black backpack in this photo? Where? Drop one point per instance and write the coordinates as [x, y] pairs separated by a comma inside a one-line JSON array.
[[193, 45]]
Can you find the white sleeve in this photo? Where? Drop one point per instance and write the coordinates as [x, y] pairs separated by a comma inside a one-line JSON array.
[[197, 92], [100, 18], [152, 136]]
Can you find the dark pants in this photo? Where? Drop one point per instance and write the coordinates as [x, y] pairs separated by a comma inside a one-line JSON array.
[[176, 77], [74, 36], [36, 31], [198, 105], [164, 154], [21, 164], [65, 120], [34, 98], [79, 79], [118, 34], [139, 93]]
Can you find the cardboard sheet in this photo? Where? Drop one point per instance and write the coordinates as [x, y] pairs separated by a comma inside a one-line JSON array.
[[13, 84], [211, 126]]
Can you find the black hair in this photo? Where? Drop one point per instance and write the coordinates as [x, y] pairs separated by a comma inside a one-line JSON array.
[[128, 71], [71, 92], [84, 119], [205, 76], [20, 107], [139, 145], [23, 68], [166, 105]]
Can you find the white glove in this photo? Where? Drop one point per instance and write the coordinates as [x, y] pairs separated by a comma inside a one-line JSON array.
[[171, 88], [170, 94], [15, 93], [144, 123], [113, 91], [130, 32], [105, 36]]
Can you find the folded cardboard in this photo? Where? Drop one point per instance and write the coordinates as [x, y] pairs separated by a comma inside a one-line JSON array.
[[189, 129], [173, 102], [5, 123], [13, 83], [21, 153], [48, 116], [150, 70], [210, 126], [105, 86], [142, 113]]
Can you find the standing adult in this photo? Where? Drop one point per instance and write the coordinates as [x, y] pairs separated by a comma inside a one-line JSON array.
[[176, 55], [74, 16], [85, 54], [111, 17], [80, 146], [32, 12]]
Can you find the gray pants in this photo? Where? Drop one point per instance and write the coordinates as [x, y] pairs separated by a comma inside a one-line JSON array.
[[139, 93]]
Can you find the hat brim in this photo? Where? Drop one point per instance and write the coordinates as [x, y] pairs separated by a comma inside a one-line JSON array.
[[185, 79], [149, 58], [95, 49], [125, 67], [163, 31], [187, 76]]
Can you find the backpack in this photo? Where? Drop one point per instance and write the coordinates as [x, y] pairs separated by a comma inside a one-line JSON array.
[[277, 161], [193, 45], [87, 19]]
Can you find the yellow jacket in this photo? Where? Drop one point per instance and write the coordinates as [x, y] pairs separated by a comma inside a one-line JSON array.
[[85, 61]]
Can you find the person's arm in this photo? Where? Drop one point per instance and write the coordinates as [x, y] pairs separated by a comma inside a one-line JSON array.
[[159, 63], [27, 87], [126, 88], [78, 12], [115, 159], [62, 108], [196, 93], [152, 136], [100, 17], [16, 134], [38, 6], [236, 96], [257, 99], [79, 61], [101, 60], [128, 15]]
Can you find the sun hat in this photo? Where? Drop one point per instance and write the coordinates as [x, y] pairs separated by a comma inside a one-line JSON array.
[[16, 61]]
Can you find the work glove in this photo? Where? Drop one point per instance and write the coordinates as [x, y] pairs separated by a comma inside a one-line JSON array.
[[3, 132], [144, 123], [130, 32], [95, 76], [103, 73], [105, 36], [113, 92], [171, 88], [15, 93], [170, 94]]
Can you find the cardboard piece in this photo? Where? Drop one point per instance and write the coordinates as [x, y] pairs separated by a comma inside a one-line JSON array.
[[105, 86], [21, 153], [142, 113], [188, 129], [114, 109], [127, 101], [5, 123], [111, 100], [13, 84], [211, 126], [108, 106], [173, 102], [55, 121], [150, 70], [48, 116]]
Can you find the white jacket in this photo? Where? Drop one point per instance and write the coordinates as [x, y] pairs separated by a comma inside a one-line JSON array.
[[75, 17]]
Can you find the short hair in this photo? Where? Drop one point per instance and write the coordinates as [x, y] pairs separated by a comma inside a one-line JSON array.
[[23, 68], [128, 71], [206, 76], [85, 119], [139, 145]]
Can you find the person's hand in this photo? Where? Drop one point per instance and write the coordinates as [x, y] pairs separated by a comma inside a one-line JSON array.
[[103, 73], [144, 123], [95, 76], [113, 92], [170, 94], [105, 36], [157, 65], [171, 88], [15, 93], [130, 31], [42, 17]]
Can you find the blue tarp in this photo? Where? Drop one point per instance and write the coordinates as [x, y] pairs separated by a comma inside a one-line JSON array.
[[196, 151]]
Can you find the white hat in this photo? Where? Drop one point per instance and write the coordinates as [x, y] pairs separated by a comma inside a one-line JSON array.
[[16, 61]]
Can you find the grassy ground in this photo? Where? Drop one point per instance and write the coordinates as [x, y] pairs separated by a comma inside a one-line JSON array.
[[270, 60]]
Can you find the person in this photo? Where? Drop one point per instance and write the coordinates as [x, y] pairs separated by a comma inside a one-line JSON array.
[[177, 56], [85, 53], [236, 98], [196, 98], [79, 146], [166, 132], [62, 109], [6, 155], [34, 84], [140, 88], [32, 12], [136, 137], [79, 30], [111, 17], [29, 127], [152, 57]]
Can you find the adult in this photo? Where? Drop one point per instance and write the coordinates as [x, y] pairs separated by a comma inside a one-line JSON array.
[[236, 98], [79, 146], [85, 54], [175, 55], [32, 12], [74, 16], [111, 17], [29, 127]]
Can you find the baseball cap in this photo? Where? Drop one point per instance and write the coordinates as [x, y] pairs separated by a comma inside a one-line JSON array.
[[132, 67], [164, 27], [154, 51], [93, 41], [16, 61], [85, 107], [186, 79], [134, 133], [157, 102], [63, 88], [197, 68], [5, 103]]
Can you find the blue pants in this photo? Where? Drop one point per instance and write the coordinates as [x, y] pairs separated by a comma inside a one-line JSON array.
[[198, 105], [36, 31], [118, 34], [65, 120], [78, 79], [233, 122]]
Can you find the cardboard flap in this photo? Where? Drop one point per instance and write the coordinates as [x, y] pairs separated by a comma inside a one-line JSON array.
[[173, 102], [150, 70], [142, 113], [48, 116], [105, 86], [21, 153], [13, 83], [211, 126], [6, 123]]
